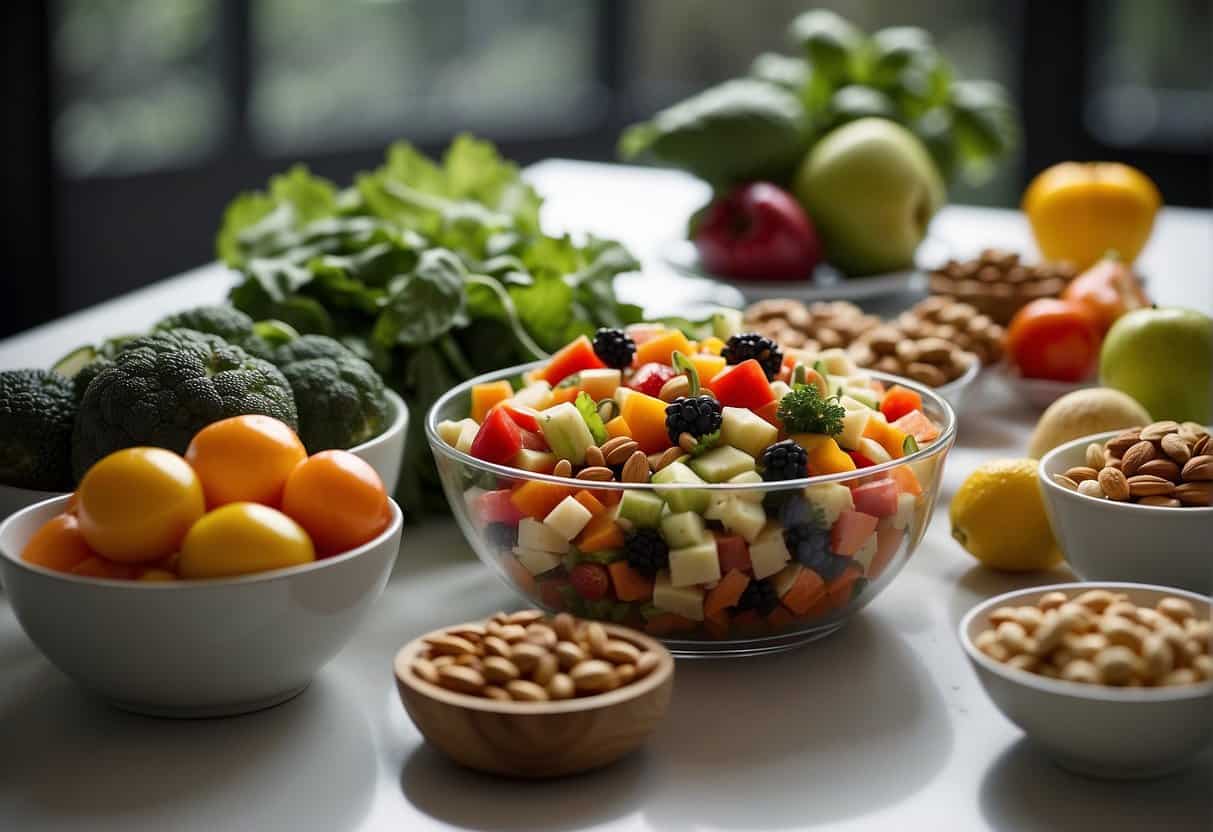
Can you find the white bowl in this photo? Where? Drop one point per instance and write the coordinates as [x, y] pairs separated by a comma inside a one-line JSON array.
[[1092, 729], [384, 453], [194, 648], [1104, 540], [1038, 392], [957, 390]]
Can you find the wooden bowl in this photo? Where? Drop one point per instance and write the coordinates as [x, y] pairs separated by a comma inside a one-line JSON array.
[[537, 739]]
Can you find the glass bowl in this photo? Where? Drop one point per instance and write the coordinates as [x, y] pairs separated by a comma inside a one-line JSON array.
[[817, 586]]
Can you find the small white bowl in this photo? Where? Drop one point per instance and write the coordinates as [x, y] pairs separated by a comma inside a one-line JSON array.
[[957, 390], [194, 648], [1039, 392], [1104, 540], [1121, 733]]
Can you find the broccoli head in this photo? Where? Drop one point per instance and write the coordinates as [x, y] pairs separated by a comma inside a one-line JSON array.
[[37, 408], [340, 397], [163, 388], [228, 322]]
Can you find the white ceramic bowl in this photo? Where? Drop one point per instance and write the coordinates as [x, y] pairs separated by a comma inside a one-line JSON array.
[[1092, 729], [1038, 392], [194, 648], [384, 453], [1104, 540], [957, 390]]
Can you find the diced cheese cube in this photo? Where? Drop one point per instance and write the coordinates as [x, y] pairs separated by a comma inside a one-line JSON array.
[[694, 564], [867, 550], [831, 499], [535, 535], [768, 552], [537, 395], [686, 601], [747, 478], [467, 435], [784, 578], [716, 507], [568, 518], [535, 561], [746, 430], [743, 517]]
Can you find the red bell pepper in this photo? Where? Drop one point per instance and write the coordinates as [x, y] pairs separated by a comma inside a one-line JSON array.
[[498, 439], [898, 402], [525, 417], [574, 357], [742, 385]]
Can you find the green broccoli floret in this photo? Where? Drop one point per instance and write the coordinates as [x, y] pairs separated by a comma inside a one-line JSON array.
[[228, 322], [340, 397], [37, 409], [163, 388]]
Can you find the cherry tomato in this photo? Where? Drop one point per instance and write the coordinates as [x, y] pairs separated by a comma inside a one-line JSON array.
[[339, 499], [1053, 339], [244, 459], [136, 505], [240, 538], [58, 544]]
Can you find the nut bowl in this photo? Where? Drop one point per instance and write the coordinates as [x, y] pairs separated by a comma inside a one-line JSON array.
[[194, 648], [799, 531]]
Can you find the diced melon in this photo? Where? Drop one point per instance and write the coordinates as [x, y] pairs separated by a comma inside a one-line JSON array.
[[467, 435], [872, 449], [831, 499], [727, 322], [696, 564], [686, 601], [683, 529], [540, 462], [854, 420], [568, 518], [754, 495], [536, 395], [743, 517], [768, 552], [850, 531], [864, 554], [448, 431], [533, 534], [681, 499], [904, 513], [861, 393], [722, 463], [536, 561], [784, 578], [600, 383], [716, 507], [878, 497], [566, 432], [640, 508], [837, 361], [746, 430]]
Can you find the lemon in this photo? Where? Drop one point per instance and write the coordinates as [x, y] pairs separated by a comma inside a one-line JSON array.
[[999, 516]]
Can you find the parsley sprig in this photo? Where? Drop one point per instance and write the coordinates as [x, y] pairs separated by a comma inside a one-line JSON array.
[[803, 410]]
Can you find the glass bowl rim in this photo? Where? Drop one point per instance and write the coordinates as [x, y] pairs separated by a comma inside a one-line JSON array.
[[941, 444]]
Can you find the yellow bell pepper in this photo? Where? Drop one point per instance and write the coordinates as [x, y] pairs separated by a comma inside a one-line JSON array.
[[825, 456], [1079, 211]]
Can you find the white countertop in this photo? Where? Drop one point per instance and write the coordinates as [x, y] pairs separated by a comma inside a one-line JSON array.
[[881, 726]]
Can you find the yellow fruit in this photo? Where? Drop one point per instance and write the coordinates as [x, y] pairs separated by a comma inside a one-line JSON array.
[[136, 505], [239, 538], [999, 516], [1082, 413]]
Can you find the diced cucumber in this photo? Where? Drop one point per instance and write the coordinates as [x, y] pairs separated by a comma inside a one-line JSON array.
[[683, 529], [681, 499], [837, 362], [686, 601], [726, 323], [746, 431], [467, 435], [722, 463], [698, 564], [640, 508], [829, 498], [743, 517], [566, 432]]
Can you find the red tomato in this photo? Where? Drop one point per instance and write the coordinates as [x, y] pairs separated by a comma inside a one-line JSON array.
[[498, 439], [1053, 339], [650, 378], [742, 385], [574, 357]]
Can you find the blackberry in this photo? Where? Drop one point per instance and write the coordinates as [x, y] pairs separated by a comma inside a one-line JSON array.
[[760, 596], [784, 460], [749, 345], [809, 544], [697, 415], [647, 552], [502, 535], [614, 347]]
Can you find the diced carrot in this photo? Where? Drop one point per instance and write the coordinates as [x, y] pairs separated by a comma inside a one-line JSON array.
[[770, 412], [749, 623], [484, 396], [618, 427], [519, 576], [841, 588], [560, 395], [907, 481], [646, 417], [600, 534], [667, 622], [662, 347], [592, 504], [887, 542], [919, 426], [537, 499], [726, 593], [805, 591], [821, 607], [899, 401], [717, 624], [780, 619], [629, 584], [707, 365]]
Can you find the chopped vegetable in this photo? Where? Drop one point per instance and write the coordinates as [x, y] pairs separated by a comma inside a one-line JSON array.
[[803, 410]]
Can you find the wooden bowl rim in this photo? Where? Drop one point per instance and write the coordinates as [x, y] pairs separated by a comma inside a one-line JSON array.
[[401, 665]]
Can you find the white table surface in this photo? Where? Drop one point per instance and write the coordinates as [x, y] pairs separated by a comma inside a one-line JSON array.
[[882, 726]]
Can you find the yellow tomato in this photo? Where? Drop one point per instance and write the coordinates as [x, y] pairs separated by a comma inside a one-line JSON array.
[[239, 538], [136, 505], [244, 459]]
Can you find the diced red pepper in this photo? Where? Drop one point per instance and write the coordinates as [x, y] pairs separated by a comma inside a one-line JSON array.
[[498, 439], [496, 507], [898, 402], [650, 378], [533, 440], [574, 357], [742, 385], [525, 417], [860, 460]]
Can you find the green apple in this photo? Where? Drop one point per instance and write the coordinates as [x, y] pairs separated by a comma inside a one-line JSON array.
[[1164, 359], [870, 188]]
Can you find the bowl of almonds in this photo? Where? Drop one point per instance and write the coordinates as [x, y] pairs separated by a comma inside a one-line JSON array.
[[527, 695], [1110, 679], [1135, 505]]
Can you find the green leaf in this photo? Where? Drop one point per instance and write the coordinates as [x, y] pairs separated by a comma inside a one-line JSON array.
[[831, 42], [589, 414], [295, 198], [781, 70], [545, 309], [423, 305]]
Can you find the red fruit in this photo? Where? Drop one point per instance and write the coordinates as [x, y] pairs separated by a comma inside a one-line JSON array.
[[758, 231], [1053, 339], [498, 439], [742, 385], [878, 498], [650, 378], [532, 440], [496, 507], [525, 417], [590, 581], [898, 402], [860, 460]]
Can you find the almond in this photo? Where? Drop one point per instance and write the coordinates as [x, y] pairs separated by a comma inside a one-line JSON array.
[[1095, 457], [661, 460], [594, 457], [1176, 447], [1198, 468], [1124, 440], [1114, 484], [1164, 468], [1203, 445], [636, 469], [563, 468], [616, 451], [1065, 482], [1164, 502], [1082, 472], [1193, 431], [1137, 454], [596, 473], [1195, 493], [687, 442], [1144, 485], [1156, 431], [675, 388]]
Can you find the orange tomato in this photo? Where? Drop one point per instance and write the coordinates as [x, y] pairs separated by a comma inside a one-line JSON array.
[[58, 544], [99, 567], [339, 499], [244, 459], [1053, 339]]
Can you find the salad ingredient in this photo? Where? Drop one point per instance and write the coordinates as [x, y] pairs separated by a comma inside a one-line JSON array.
[[994, 491], [487, 396], [58, 544], [647, 551], [650, 378], [227, 322], [1102, 638], [160, 389], [749, 345], [740, 385], [899, 401], [1053, 339], [339, 499], [997, 283], [871, 188], [241, 538], [499, 438], [1163, 358], [1080, 211], [1082, 413], [662, 346], [614, 348], [136, 505], [339, 397], [757, 232], [804, 410], [1107, 291], [244, 459], [699, 416], [1163, 464], [572, 358], [37, 409], [784, 460]]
